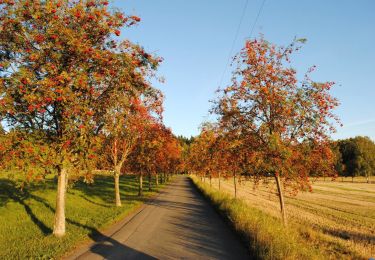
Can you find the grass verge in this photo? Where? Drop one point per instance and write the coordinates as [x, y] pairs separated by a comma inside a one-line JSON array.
[[26, 217], [267, 237]]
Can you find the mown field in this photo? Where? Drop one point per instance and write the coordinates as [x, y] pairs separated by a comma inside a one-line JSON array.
[[26, 217], [337, 218]]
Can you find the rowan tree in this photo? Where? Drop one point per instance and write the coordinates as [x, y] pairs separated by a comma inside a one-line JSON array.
[[55, 60], [185, 144], [169, 160], [227, 156], [202, 152], [218, 152], [132, 102], [121, 134], [157, 152], [283, 123], [142, 158]]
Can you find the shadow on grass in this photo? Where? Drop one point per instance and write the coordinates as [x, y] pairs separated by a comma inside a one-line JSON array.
[[105, 246], [103, 188], [96, 203], [350, 235], [10, 186], [10, 191]]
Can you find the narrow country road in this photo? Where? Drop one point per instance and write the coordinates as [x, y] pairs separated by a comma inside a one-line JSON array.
[[178, 224]]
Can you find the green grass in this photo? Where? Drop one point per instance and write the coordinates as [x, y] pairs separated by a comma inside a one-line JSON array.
[[26, 217], [267, 237]]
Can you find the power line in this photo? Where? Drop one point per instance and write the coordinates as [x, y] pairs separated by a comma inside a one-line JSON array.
[[234, 42], [256, 19], [236, 36]]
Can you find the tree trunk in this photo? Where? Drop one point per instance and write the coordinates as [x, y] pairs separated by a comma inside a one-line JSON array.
[[281, 198], [157, 179], [117, 188], [149, 182], [219, 180], [59, 225], [210, 181], [140, 191], [235, 185]]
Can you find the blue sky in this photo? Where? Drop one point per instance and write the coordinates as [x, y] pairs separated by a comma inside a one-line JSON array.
[[195, 37]]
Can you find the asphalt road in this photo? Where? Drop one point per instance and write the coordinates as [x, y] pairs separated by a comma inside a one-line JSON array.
[[178, 224]]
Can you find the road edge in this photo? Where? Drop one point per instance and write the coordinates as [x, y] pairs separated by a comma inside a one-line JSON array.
[[225, 217], [112, 228]]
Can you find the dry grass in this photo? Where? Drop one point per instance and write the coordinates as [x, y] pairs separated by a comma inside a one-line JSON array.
[[337, 217], [267, 237]]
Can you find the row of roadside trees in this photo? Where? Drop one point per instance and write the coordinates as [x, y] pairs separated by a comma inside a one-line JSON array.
[[73, 97], [269, 123]]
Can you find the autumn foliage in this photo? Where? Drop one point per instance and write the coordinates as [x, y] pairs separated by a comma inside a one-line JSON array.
[[271, 123], [71, 89], [75, 97]]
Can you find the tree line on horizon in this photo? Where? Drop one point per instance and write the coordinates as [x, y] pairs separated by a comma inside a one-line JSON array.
[[355, 157]]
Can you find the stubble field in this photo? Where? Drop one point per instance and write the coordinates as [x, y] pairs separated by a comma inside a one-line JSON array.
[[340, 213]]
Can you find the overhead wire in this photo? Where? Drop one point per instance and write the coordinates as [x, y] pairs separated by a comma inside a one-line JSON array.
[[256, 19], [234, 41], [236, 35]]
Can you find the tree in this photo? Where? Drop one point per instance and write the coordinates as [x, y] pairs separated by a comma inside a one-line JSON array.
[[284, 124], [339, 166], [185, 144], [120, 140], [157, 151], [168, 157], [366, 160], [143, 156], [350, 154], [129, 108], [201, 152], [55, 60], [358, 156]]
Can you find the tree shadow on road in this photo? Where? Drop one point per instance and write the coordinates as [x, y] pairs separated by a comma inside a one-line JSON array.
[[201, 229], [110, 248], [106, 246]]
